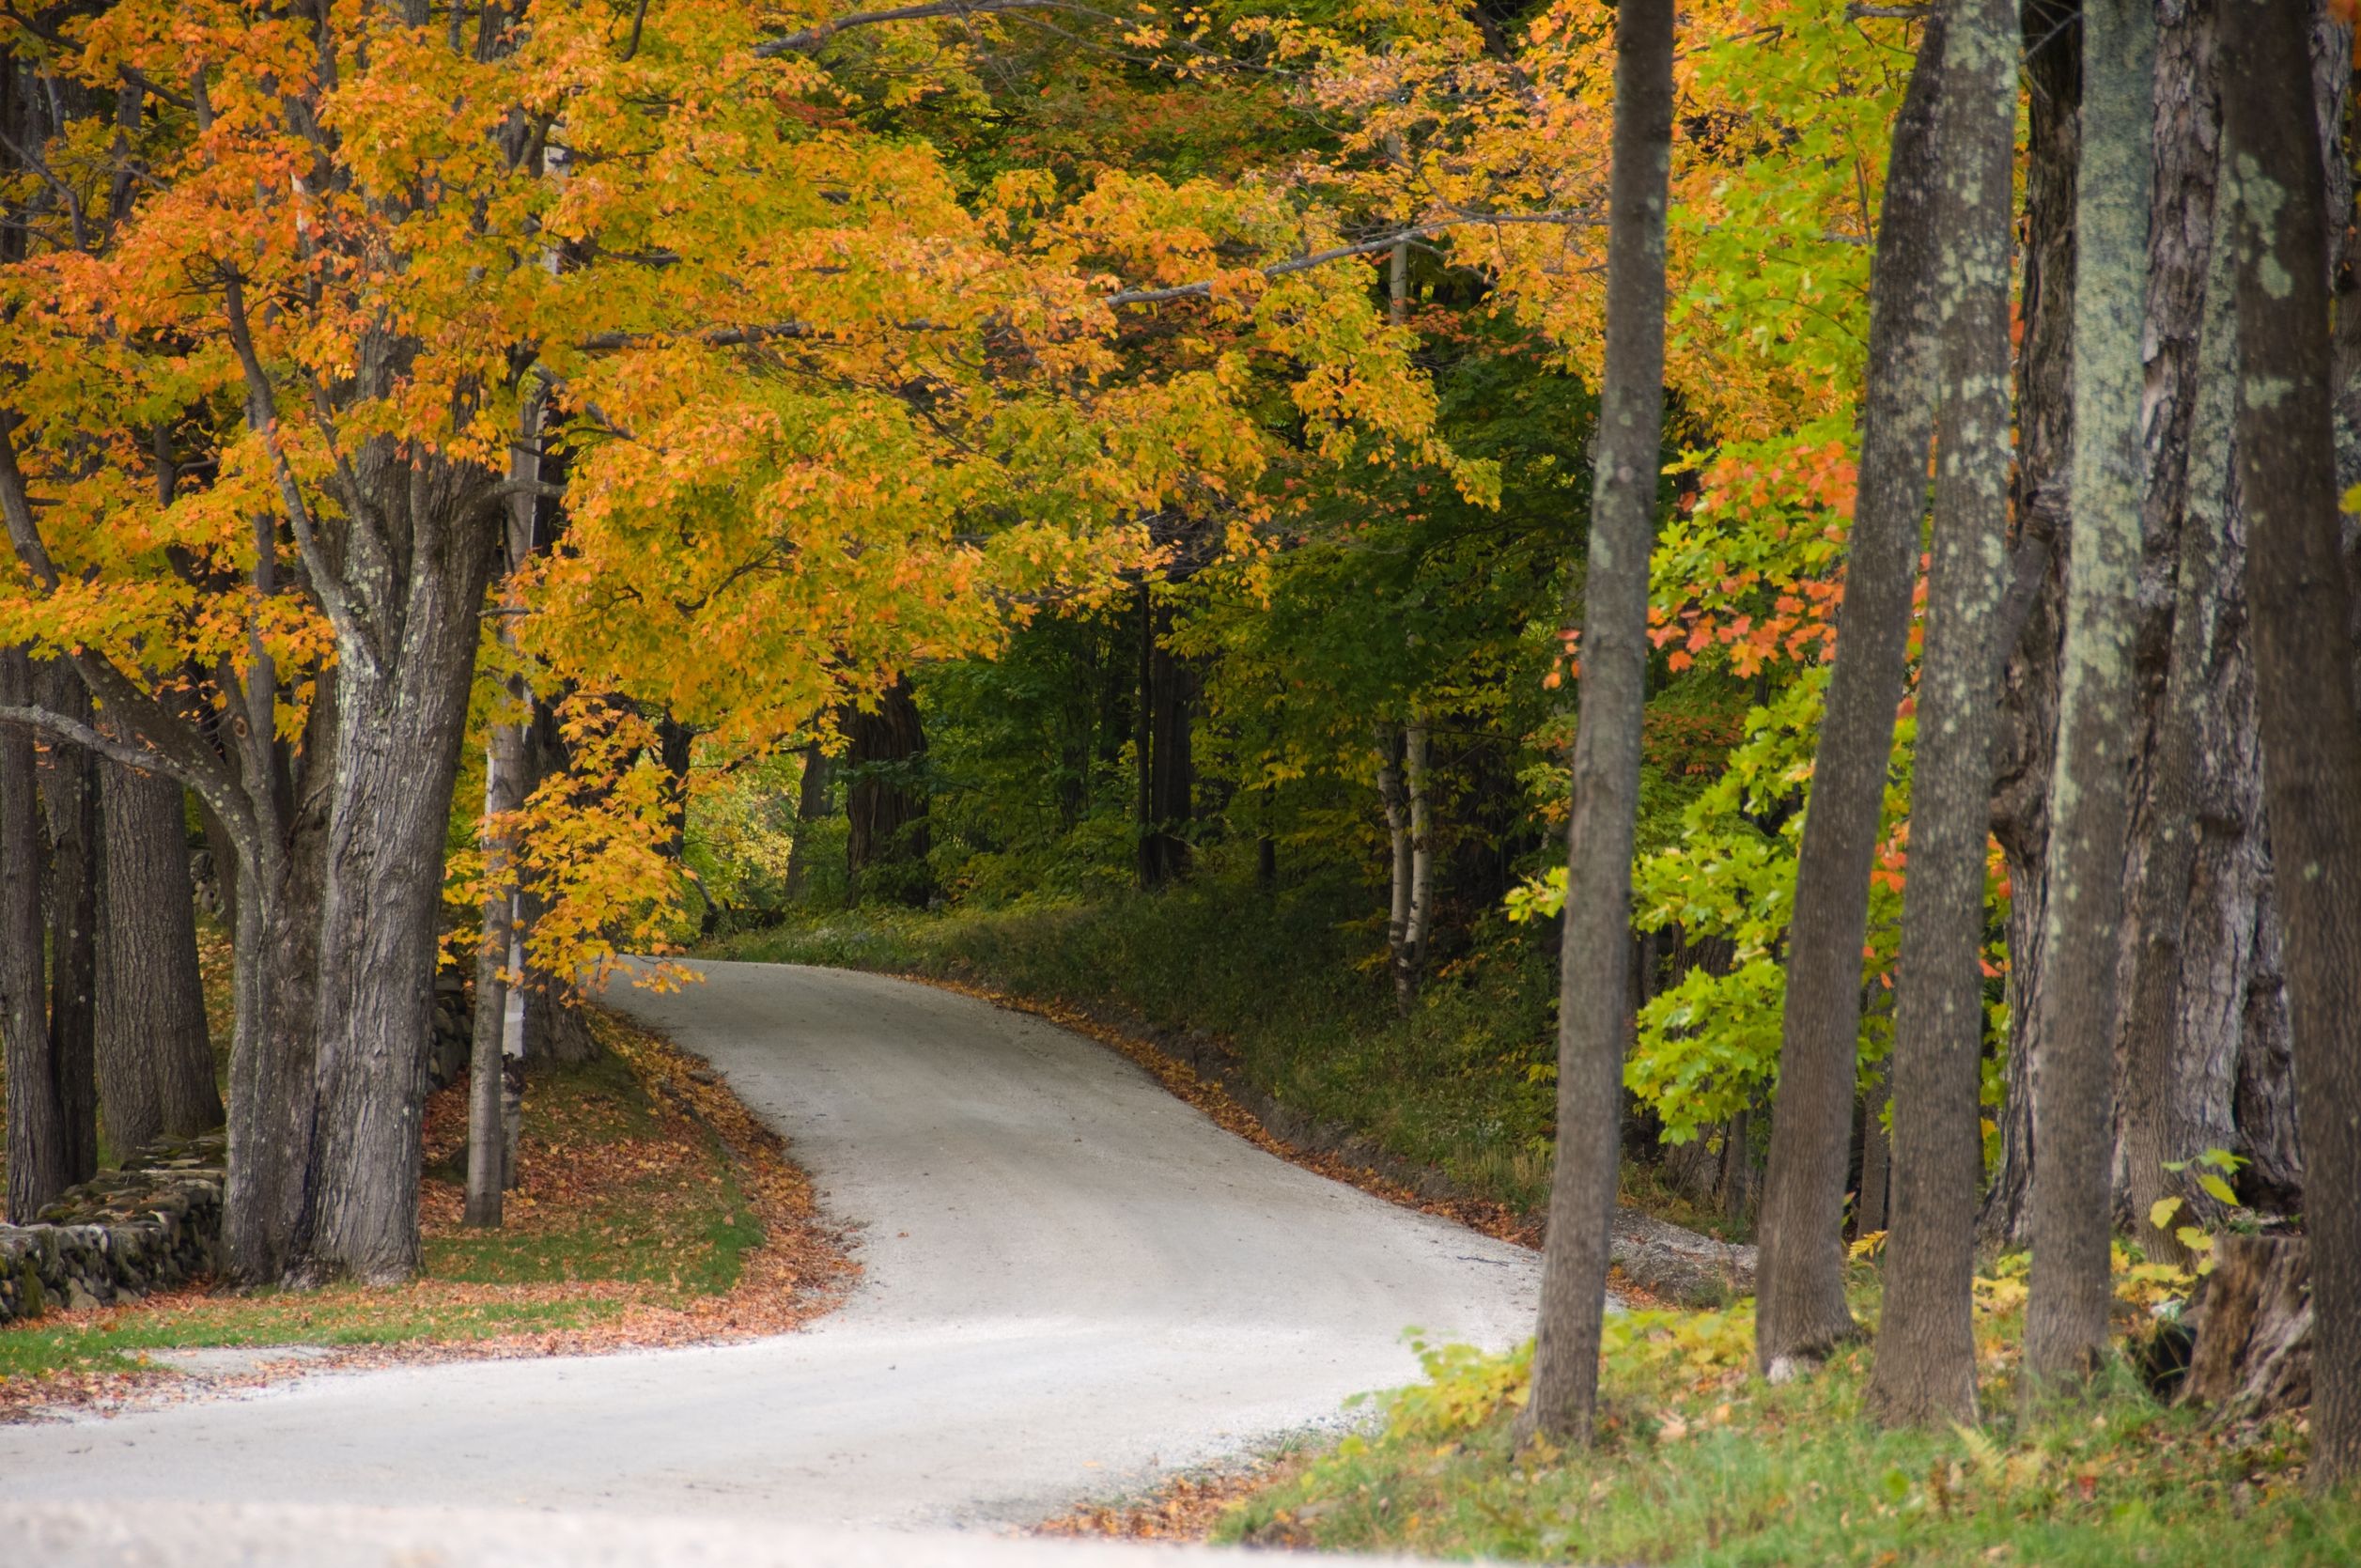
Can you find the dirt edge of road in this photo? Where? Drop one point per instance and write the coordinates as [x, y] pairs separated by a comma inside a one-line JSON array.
[[803, 1269]]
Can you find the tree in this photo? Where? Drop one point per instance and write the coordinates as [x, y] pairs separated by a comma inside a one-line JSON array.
[[155, 1060], [1800, 1305], [2304, 656], [36, 1119], [2073, 1102], [1594, 989], [2192, 389], [262, 404], [1925, 1363], [70, 809], [885, 805]]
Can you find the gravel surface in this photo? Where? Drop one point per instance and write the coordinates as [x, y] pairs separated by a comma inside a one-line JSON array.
[[1075, 1283], [271, 1535]]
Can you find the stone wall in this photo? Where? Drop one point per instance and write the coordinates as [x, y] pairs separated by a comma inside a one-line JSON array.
[[154, 1223]]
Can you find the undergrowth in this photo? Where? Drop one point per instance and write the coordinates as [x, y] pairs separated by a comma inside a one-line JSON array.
[[1700, 1462]]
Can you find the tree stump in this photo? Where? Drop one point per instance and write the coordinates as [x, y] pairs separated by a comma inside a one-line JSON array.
[[2253, 1354]]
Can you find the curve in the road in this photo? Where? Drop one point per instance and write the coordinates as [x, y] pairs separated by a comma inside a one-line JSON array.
[[1073, 1281]]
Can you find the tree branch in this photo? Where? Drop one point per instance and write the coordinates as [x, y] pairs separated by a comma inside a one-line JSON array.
[[145, 758], [262, 414]]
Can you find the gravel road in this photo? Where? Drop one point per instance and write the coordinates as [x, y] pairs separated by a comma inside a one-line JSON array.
[[1074, 1282]]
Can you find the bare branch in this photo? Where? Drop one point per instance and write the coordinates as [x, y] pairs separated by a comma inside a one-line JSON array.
[[92, 740]]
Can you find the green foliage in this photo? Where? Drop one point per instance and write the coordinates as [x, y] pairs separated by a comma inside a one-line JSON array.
[[1699, 1462], [1288, 978]]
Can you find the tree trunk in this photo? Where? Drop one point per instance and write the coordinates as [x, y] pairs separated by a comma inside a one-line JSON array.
[[1592, 1000], [273, 1093], [1417, 759], [2233, 1081], [70, 799], [885, 806], [2255, 1327], [1925, 1367], [2303, 660], [2191, 390], [499, 1022], [1800, 1306], [155, 1059], [2073, 1103], [1172, 779], [402, 717], [811, 805], [37, 1123], [2025, 749], [497, 958]]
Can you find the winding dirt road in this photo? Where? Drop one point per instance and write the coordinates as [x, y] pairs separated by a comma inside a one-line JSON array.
[[1074, 1282]]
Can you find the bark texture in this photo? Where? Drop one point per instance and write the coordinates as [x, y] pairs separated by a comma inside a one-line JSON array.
[[2073, 1100], [1925, 1367], [404, 674], [1800, 1310], [2304, 656], [885, 807], [1161, 741], [70, 804], [155, 1057], [2201, 945], [2191, 390], [2253, 1354], [1592, 1000], [2025, 749], [37, 1123]]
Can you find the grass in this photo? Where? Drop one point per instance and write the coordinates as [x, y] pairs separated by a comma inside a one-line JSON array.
[[1700, 1462], [653, 1209], [1294, 987]]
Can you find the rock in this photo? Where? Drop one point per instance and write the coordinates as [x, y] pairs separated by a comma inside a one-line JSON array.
[[155, 1221]]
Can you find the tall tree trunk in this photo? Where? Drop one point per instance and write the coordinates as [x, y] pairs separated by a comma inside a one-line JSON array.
[[885, 809], [1799, 1304], [2232, 1082], [37, 1123], [70, 799], [496, 1053], [1173, 781], [2073, 1101], [811, 805], [2304, 656], [1417, 774], [1925, 1367], [1592, 997], [155, 1060], [402, 717], [2191, 391], [2026, 749]]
